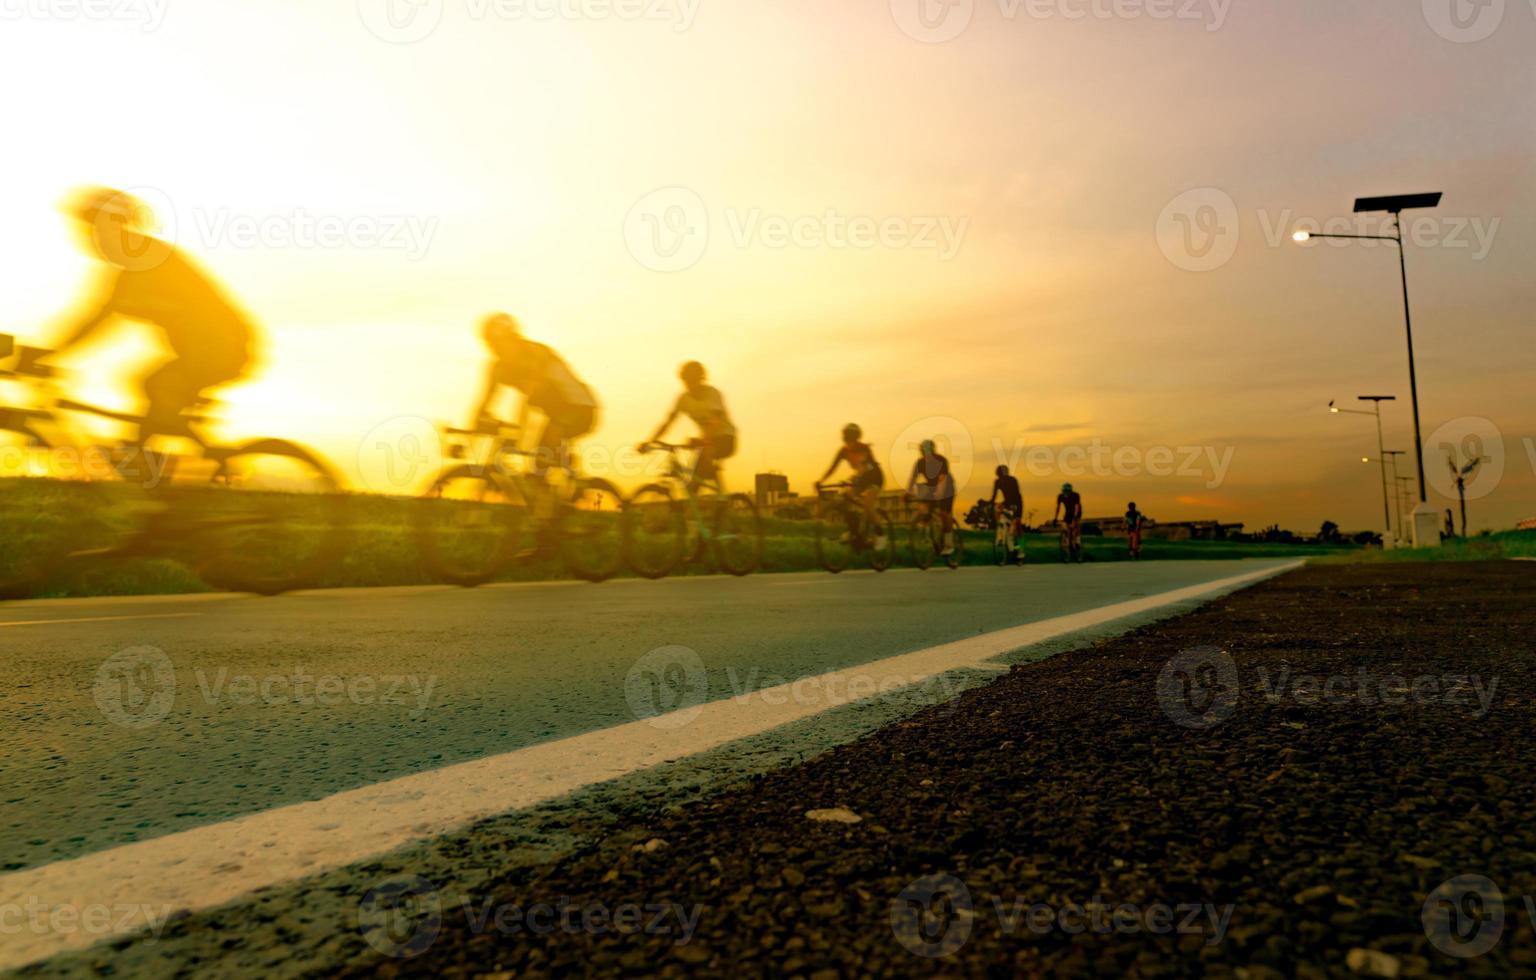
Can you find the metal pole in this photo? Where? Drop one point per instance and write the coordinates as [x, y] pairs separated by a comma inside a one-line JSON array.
[[1413, 378], [1397, 496], [1386, 513]]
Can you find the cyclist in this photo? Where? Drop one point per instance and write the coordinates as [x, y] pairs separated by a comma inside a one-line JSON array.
[[547, 384], [1069, 510], [1007, 486], [1134, 520], [868, 479], [151, 281], [704, 404], [937, 489]]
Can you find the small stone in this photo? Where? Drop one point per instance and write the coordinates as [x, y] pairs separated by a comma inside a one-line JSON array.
[[836, 814], [1309, 895], [1372, 962], [651, 846]]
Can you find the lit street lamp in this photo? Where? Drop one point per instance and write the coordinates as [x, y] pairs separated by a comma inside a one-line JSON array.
[[1389, 456], [1425, 521], [1376, 400]]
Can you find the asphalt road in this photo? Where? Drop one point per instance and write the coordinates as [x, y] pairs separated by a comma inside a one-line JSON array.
[[129, 719]]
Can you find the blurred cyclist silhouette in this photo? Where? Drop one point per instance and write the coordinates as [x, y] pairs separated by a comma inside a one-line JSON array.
[[546, 382], [149, 280]]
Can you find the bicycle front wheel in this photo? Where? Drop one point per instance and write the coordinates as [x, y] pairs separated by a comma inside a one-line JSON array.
[[956, 554], [924, 534], [738, 535], [468, 526], [591, 533], [655, 532], [834, 549], [274, 522], [883, 534]]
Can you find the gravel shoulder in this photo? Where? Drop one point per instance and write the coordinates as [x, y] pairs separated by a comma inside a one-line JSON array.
[[1326, 774]]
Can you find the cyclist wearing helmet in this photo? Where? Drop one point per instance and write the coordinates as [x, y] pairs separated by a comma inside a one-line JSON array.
[[932, 483], [1134, 520], [1013, 503], [868, 478], [151, 281], [1069, 510], [705, 405], [547, 384]]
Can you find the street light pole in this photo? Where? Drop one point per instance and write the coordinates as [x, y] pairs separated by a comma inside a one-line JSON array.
[[1395, 205], [1386, 512]]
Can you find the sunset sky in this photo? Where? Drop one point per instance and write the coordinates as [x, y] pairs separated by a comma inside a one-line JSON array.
[[982, 237]]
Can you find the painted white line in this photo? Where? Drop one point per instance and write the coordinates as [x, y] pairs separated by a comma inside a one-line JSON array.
[[94, 619], [215, 864]]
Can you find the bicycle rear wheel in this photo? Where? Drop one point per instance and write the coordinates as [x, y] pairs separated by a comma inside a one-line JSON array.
[[275, 520], [592, 531], [921, 534], [468, 526], [832, 552], [956, 555], [655, 532], [882, 558], [738, 534]]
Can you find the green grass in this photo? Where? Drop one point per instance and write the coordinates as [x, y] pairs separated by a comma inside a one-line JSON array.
[[1489, 546], [36, 515]]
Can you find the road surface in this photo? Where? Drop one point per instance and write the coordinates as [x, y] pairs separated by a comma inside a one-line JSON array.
[[164, 719]]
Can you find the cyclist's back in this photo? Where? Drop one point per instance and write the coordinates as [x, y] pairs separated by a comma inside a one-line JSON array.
[[1071, 504], [199, 322]]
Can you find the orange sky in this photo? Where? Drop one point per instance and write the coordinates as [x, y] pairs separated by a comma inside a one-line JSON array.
[[1051, 234]]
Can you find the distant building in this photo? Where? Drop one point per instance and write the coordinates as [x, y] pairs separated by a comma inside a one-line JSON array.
[[1529, 524], [772, 490]]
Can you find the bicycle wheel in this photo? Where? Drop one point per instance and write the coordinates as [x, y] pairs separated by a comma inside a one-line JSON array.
[[468, 526], [833, 549], [273, 522], [738, 533], [591, 531], [1066, 547], [924, 544], [1000, 545], [882, 558], [956, 554], [655, 532]]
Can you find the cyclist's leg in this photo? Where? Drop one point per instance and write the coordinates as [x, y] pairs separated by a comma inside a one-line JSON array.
[[172, 389]]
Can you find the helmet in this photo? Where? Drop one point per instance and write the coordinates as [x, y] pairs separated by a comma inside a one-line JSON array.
[[1066, 488], [692, 373], [95, 203], [927, 448], [498, 328], [852, 431], [1002, 471], [1131, 505]]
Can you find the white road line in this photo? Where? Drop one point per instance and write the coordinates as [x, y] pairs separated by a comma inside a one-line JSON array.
[[215, 864], [94, 619]]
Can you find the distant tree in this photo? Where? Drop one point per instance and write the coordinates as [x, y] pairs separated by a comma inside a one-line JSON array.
[[1366, 538], [1329, 533]]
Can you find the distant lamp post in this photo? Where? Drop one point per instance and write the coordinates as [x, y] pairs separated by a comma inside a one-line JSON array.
[[1389, 456], [1375, 400], [1426, 523]]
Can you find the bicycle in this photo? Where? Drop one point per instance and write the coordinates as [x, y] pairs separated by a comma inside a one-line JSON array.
[[1071, 542], [483, 514], [266, 516], [662, 528], [1005, 544], [927, 539], [843, 531]]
